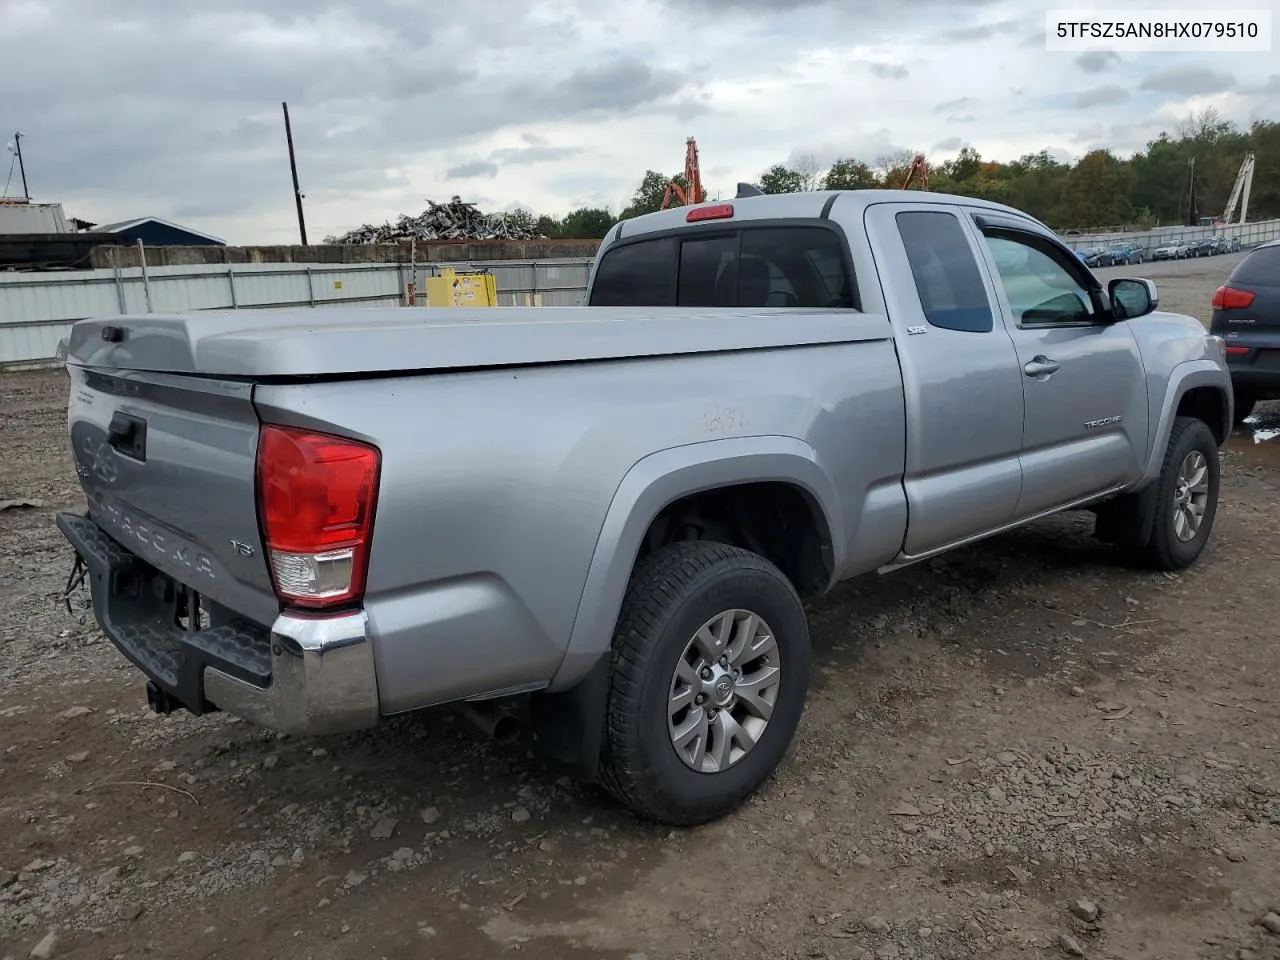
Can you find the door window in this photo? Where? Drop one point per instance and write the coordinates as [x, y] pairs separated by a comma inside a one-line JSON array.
[[1040, 289]]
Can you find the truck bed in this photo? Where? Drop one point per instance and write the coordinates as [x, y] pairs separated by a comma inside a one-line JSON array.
[[339, 342]]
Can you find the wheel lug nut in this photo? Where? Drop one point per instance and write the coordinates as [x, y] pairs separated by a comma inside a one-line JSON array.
[[706, 673], [700, 699]]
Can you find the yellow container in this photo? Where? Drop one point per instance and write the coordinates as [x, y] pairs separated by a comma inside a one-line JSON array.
[[452, 289]]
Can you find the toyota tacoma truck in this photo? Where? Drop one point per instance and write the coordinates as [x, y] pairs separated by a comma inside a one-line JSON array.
[[602, 521]]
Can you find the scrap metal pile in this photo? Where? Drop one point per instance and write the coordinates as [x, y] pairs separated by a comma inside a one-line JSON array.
[[454, 220]]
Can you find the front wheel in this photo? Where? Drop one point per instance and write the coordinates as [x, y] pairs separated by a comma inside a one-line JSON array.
[[1186, 498], [710, 672]]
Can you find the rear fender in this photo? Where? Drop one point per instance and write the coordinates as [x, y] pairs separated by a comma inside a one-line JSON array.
[[568, 717], [659, 480]]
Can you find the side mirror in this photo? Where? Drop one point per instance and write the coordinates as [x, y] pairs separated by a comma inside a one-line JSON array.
[[1132, 298]]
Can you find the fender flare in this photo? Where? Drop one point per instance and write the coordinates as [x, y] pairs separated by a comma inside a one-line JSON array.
[[655, 482], [1186, 376]]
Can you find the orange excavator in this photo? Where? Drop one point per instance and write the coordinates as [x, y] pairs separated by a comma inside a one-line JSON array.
[[919, 169], [692, 192]]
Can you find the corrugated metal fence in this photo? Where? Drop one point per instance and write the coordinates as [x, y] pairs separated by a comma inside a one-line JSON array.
[[37, 309], [1249, 234]]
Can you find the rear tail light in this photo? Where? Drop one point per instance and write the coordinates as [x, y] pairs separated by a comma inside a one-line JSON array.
[[1229, 298], [316, 497], [1237, 351], [716, 211]]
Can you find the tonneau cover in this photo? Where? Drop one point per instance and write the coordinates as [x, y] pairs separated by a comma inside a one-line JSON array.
[[337, 341]]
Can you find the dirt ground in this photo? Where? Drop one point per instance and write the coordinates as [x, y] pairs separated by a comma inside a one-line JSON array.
[[991, 738]]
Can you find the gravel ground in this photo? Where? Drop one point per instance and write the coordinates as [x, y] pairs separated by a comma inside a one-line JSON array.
[[1019, 750]]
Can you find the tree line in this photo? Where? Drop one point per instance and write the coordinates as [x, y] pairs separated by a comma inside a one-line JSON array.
[[1176, 179]]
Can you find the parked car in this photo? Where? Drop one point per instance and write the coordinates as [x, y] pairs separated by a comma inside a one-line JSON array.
[[1174, 250], [1202, 247], [1246, 314], [1097, 257], [1126, 253], [1230, 244], [603, 522]]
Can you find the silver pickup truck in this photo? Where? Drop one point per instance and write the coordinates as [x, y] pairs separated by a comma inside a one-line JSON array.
[[597, 524]]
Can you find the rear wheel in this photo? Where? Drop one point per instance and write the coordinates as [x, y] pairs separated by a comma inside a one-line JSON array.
[[710, 671]]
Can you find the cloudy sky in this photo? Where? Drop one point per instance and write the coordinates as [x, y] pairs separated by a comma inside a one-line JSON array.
[[171, 108]]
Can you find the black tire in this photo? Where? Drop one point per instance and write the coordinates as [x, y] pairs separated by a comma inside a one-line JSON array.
[[1244, 407], [1163, 550], [673, 592]]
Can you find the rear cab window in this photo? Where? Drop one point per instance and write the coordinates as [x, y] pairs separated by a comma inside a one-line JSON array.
[[1260, 268], [945, 271], [741, 266]]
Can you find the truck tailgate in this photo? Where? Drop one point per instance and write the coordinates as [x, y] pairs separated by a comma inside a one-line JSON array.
[[167, 463]]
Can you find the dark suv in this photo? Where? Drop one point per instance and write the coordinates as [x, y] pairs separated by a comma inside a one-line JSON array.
[[1246, 313]]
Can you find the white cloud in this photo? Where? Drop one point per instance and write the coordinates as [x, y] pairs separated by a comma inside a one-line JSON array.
[[172, 108]]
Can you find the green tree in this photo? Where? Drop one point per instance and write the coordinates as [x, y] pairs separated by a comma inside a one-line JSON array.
[[967, 166], [648, 195], [587, 223], [849, 175], [1035, 184], [1264, 141], [781, 179], [1096, 192]]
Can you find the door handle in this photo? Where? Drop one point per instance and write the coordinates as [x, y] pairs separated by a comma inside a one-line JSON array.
[[1040, 366]]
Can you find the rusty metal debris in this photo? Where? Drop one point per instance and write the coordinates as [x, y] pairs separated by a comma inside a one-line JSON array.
[[454, 220]]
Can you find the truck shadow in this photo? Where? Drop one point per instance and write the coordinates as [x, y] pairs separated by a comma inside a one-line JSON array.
[[1028, 604]]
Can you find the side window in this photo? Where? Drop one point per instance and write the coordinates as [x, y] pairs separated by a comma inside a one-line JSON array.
[[945, 271], [708, 271], [793, 267], [1041, 290], [640, 274]]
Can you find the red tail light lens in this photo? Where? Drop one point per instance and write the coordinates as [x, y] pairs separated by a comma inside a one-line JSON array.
[[1237, 351], [1229, 298], [717, 211], [316, 498]]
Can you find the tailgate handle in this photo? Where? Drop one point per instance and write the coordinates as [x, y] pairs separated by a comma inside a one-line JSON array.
[[128, 434]]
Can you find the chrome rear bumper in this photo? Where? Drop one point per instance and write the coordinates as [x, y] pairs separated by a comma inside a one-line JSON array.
[[322, 678], [303, 675]]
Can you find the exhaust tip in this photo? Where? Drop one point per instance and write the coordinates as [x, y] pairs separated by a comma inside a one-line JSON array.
[[499, 723], [506, 729]]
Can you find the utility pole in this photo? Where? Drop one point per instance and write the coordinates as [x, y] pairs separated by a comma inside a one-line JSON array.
[[293, 167], [17, 148]]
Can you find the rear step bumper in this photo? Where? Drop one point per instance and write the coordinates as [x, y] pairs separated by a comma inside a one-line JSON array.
[[304, 675]]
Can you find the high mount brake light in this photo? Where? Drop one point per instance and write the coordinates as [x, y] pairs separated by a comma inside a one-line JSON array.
[[316, 498], [1229, 298], [717, 211]]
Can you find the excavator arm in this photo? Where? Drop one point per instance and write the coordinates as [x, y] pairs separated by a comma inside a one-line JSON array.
[[692, 191], [919, 169]]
